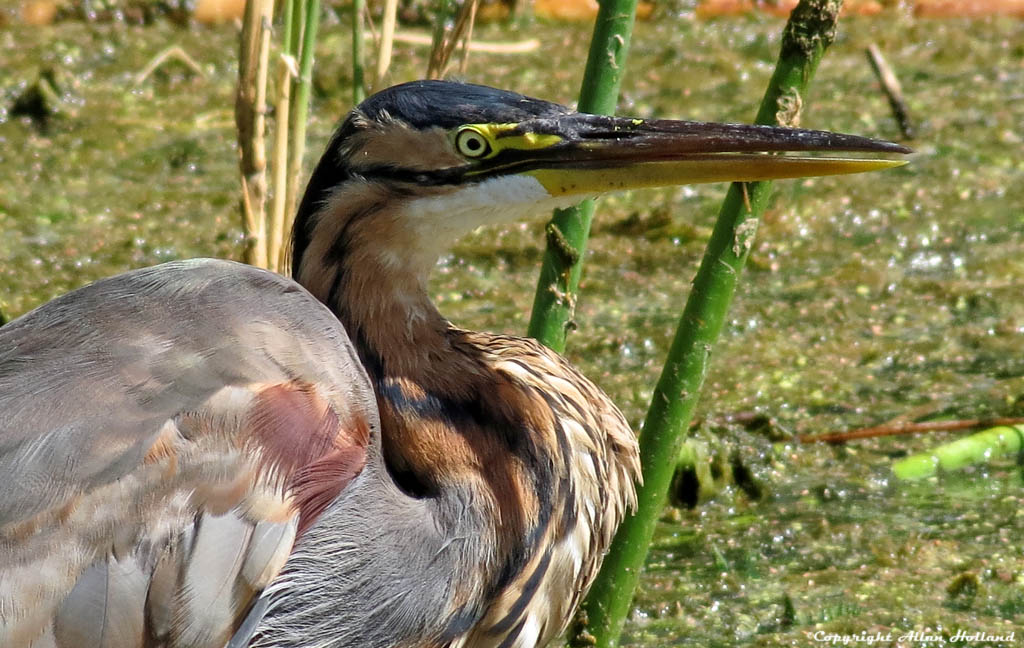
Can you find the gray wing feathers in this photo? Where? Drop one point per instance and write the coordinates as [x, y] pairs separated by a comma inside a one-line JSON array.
[[208, 600], [100, 545], [268, 550], [194, 594], [105, 609], [87, 381]]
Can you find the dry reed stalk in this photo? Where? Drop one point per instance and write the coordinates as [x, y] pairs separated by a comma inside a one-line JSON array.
[[444, 47], [387, 40], [286, 71], [250, 120], [891, 86]]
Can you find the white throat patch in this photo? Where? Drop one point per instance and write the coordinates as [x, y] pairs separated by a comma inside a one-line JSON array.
[[440, 220]]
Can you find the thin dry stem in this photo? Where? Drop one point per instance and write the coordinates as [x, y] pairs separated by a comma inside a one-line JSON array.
[[464, 63], [909, 428], [387, 40], [486, 47], [891, 86], [175, 53], [250, 120], [279, 221], [441, 55]]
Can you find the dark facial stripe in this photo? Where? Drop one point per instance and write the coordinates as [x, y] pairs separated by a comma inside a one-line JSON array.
[[507, 162], [422, 177]]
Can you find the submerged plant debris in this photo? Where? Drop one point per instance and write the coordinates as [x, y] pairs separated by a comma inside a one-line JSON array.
[[866, 298]]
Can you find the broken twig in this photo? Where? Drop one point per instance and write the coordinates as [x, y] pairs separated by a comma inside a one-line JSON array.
[[891, 86], [901, 428], [174, 52]]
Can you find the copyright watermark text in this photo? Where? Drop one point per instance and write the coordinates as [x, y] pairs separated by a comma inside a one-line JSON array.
[[866, 638]]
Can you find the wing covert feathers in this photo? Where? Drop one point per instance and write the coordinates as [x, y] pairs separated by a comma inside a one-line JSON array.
[[167, 434]]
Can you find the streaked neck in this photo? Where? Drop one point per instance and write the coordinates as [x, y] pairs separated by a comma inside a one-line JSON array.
[[371, 269]]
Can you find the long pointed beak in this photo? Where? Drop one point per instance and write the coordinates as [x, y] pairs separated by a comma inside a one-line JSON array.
[[580, 154]]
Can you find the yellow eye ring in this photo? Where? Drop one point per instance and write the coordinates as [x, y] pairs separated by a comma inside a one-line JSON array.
[[471, 143]]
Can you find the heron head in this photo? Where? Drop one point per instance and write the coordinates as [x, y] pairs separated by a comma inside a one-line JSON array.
[[447, 157]]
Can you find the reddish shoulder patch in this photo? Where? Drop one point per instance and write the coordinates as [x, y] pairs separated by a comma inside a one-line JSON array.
[[303, 441], [316, 485]]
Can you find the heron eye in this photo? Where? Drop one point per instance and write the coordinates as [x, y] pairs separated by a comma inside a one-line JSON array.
[[472, 144]]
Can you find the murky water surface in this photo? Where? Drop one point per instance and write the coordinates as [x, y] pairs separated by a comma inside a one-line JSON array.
[[866, 298]]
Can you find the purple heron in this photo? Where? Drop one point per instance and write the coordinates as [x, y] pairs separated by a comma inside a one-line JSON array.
[[203, 454]]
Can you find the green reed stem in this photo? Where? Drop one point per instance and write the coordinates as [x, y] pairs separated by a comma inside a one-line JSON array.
[[810, 30], [555, 300]]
